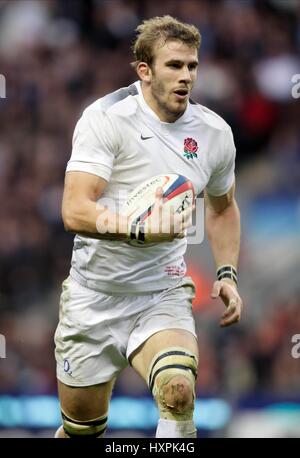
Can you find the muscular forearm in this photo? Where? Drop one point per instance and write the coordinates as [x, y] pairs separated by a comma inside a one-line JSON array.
[[95, 222], [223, 231]]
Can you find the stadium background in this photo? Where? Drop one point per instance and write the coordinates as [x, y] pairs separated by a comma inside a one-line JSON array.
[[57, 57]]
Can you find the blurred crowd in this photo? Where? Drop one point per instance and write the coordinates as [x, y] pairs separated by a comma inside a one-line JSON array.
[[60, 55]]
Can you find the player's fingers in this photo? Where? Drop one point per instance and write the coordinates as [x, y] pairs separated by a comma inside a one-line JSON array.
[[155, 223], [182, 220], [233, 305], [232, 314], [159, 193], [216, 289], [167, 221], [187, 219], [178, 222], [230, 310], [235, 318], [160, 217], [171, 222]]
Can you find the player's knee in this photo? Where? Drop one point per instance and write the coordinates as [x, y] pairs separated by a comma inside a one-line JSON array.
[[172, 378], [178, 395], [95, 427]]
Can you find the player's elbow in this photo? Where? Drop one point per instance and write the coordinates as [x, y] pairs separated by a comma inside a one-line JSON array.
[[69, 219]]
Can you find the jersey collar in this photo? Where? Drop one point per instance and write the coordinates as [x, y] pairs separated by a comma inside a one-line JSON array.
[[146, 108]]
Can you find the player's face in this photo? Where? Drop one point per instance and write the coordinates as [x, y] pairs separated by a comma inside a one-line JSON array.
[[173, 74]]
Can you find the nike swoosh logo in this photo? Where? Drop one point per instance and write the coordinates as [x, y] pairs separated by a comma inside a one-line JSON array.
[[145, 138]]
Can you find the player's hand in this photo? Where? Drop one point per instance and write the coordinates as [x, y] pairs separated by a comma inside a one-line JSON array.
[[226, 290], [165, 225]]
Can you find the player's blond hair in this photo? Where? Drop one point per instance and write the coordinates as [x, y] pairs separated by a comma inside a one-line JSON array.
[[156, 31]]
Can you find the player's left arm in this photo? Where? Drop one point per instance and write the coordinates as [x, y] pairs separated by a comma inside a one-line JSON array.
[[222, 221]]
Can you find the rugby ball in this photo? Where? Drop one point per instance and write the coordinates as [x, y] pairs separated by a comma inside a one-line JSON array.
[[178, 195]]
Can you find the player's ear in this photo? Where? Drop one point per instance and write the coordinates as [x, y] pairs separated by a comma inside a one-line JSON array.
[[144, 72]]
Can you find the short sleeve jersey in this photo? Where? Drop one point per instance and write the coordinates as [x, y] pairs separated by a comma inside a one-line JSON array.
[[120, 139]]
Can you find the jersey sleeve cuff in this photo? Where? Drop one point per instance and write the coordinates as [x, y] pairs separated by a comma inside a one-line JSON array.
[[217, 192], [101, 171]]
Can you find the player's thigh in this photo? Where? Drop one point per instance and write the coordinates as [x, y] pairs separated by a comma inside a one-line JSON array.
[[85, 403], [141, 358]]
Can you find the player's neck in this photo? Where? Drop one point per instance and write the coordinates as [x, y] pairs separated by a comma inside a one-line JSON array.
[[163, 115]]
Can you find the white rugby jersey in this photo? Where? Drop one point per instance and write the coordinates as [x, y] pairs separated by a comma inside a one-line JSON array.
[[121, 139]]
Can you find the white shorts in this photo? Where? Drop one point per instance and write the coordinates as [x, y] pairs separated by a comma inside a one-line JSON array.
[[97, 333]]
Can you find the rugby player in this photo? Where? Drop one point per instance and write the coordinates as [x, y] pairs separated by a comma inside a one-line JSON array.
[[125, 304]]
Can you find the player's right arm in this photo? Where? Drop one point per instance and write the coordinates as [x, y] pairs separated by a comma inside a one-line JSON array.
[[81, 214]]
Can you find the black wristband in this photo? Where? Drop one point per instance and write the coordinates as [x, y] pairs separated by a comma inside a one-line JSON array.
[[133, 231], [227, 271], [141, 233], [137, 232]]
